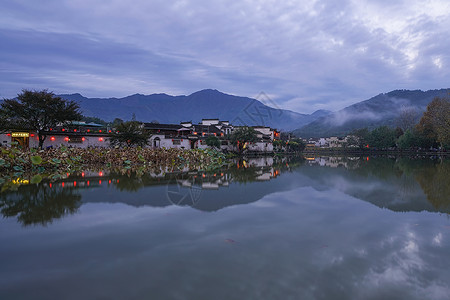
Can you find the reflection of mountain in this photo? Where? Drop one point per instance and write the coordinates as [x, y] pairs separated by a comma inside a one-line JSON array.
[[396, 184]]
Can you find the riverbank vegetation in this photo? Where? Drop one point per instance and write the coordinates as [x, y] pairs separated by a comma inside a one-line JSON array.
[[431, 132], [32, 166]]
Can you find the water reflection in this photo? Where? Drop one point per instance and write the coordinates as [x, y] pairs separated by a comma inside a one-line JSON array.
[[314, 230], [40, 204], [399, 184]]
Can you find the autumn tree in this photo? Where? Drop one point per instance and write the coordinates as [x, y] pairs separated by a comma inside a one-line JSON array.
[[38, 111], [435, 122]]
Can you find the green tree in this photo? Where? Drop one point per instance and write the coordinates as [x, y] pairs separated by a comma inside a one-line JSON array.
[[213, 141], [408, 140], [243, 135], [3, 121], [131, 133], [94, 120], [278, 144], [117, 122], [382, 137], [296, 145], [360, 137], [38, 111]]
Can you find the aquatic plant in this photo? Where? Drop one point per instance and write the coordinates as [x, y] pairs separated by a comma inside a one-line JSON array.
[[52, 164]]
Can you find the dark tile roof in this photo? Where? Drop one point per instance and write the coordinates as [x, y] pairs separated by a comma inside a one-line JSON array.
[[154, 126], [206, 128]]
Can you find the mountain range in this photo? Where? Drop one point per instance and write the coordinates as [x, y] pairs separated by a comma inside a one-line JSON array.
[[382, 109], [200, 105]]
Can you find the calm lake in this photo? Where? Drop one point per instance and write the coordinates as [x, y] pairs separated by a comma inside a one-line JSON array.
[[316, 228]]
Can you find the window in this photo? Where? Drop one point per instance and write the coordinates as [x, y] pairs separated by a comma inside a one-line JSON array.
[[176, 142]]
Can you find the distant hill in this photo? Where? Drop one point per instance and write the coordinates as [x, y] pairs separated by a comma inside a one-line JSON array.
[[383, 109], [203, 104]]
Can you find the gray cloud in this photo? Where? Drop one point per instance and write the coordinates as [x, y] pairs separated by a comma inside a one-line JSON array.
[[308, 54]]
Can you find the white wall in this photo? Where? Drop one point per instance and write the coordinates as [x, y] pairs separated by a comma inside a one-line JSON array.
[[60, 140], [261, 147], [265, 131], [93, 141], [169, 142], [210, 122], [5, 140], [90, 141]]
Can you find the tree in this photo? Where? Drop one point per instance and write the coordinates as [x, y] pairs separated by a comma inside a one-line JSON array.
[[213, 141], [38, 111], [407, 118], [360, 137], [435, 122], [3, 121], [296, 145], [382, 137], [94, 120], [243, 135], [408, 140], [131, 133], [117, 122]]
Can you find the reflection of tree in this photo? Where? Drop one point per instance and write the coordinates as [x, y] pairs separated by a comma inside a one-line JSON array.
[[404, 174], [435, 182], [381, 167], [40, 204], [129, 184]]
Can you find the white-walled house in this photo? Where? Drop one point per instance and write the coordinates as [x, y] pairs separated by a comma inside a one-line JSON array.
[[29, 139], [185, 135]]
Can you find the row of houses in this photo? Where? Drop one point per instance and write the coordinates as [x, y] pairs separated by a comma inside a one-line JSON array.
[[185, 135], [332, 142]]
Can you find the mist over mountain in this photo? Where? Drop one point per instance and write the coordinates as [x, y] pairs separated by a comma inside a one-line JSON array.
[[195, 107], [383, 109]]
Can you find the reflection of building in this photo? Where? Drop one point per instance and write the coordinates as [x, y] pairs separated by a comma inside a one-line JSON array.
[[334, 161]]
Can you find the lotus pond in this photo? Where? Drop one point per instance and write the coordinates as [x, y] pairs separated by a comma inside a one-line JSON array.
[[268, 228]]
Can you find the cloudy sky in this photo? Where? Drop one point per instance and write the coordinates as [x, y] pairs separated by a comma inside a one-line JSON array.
[[305, 55]]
